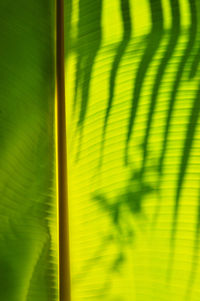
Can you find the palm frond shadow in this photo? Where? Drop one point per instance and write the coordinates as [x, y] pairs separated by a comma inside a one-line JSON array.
[[88, 44], [138, 45], [127, 30], [192, 34], [174, 36], [155, 38]]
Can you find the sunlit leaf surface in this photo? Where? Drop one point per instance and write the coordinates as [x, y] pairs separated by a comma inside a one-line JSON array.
[[133, 97]]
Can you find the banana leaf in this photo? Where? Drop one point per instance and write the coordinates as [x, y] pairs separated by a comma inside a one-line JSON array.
[[28, 269], [133, 139], [133, 104]]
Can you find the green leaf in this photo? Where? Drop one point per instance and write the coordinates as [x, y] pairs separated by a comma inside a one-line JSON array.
[[133, 140], [133, 101], [27, 81]]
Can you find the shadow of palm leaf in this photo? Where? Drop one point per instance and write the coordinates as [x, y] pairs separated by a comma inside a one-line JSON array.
[[88, 44], [127, 28], [192, 36], [174, 36], [189, 46], [154, 40]]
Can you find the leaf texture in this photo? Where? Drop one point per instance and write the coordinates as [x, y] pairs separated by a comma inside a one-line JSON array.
[[27, 177], [132, 86]]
